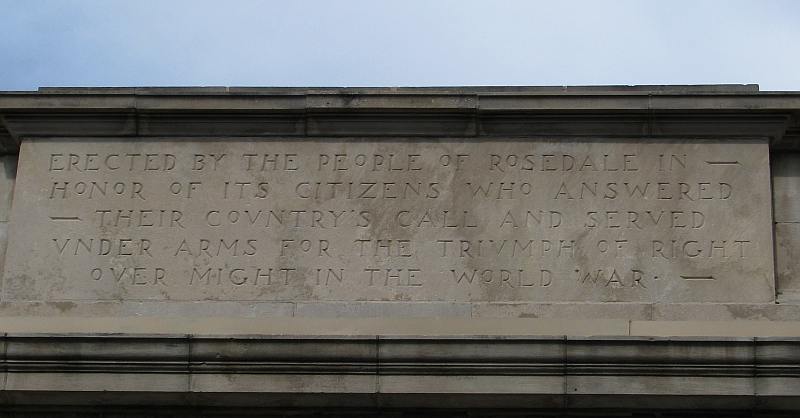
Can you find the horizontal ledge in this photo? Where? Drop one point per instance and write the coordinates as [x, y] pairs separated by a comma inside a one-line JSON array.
[[430, 355], [396, 123], [39, 369], [234, 90], [404, 100], [302, 326], [248, 403], [506, 327]]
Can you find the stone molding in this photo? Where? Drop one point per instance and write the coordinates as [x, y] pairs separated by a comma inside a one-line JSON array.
[[376, 112], [748, 372]]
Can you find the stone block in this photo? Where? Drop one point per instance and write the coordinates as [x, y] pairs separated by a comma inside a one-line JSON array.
[[726, 312], [629, 311], [283, 383], [305, 326], [644, 385], [348, 220], [60, 309], [787, 262], [8, 175], [786, 186], [356, 354], [660, 366], [207, 309], [782, 356], [662, 403], [383, 309], [522, 352], [715, 328], [3, 373], [3, 246], [507, 385], [634, 352], [96, 382]]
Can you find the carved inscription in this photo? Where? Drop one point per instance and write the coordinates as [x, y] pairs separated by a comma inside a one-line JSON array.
[[534, 220]]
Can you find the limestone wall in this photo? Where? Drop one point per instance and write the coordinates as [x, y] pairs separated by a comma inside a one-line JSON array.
[[390, 248]]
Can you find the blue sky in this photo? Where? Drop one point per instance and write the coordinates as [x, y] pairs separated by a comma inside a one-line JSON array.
[[397, 43]]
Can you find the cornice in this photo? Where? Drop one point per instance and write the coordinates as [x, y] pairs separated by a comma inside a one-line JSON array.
[[410, 112]]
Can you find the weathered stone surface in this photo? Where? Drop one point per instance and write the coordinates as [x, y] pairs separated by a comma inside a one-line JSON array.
[[710, 329], [384, 309], [553, 372], [568, 310], [355, 220], [786, 187], [305, 326], [786, 207], [725, 312], [646, 214], [787, 263], [8, 173]]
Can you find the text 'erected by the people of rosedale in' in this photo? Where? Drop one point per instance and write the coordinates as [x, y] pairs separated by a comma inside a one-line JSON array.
[[411, 220]]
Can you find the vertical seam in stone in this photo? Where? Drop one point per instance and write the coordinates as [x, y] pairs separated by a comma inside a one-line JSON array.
[[3, 383], [477, 117], [650, 118], [137, 120], [377, 393], [305, 116], [189, 343], [136, 116], [565, 374], [755, 371]]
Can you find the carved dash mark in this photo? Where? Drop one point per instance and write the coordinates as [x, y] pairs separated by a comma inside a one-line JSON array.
[[65, 218], [722, 162], [698, 277]]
